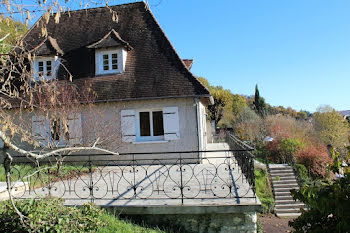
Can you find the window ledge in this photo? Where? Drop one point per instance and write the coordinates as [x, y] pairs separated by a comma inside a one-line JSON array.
[[149, 142]]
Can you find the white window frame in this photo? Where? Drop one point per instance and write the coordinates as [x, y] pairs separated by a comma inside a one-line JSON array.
[[99, 60], [55, 61], [140, 138]]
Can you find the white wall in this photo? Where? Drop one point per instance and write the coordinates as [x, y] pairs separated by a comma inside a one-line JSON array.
[[110, 112]]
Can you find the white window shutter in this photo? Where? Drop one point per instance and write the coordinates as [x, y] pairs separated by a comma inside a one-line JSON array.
[[41, 130], [171, 123], [128, 125], [75, 131]]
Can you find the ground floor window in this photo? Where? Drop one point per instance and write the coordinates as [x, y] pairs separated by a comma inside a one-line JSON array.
[[156, 124], [151, 125]]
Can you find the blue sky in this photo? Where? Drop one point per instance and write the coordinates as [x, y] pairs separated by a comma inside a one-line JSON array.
[[297, 51]]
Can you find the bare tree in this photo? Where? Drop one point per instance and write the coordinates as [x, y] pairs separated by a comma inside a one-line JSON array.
[[51, 102]]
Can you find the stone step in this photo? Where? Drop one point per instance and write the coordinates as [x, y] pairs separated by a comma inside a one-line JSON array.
[[291, 181], [286, 202], [292, 215], [279, 194], [291, 210], [290, 186], [284, 198], [274, 170], [284, 179], [289, 206], [284, 174], [279, 190]]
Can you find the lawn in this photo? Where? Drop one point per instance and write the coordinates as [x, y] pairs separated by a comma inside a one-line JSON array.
[[43, 174], [263, 190], [113, 224]]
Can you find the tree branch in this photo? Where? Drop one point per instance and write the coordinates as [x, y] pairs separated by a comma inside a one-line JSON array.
[[9, 144], [2, 39]]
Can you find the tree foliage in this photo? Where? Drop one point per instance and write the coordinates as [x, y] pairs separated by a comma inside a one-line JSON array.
[[328, 202], [259, 103], [222, 101], [332, 128], [13, 30], [238, 104]]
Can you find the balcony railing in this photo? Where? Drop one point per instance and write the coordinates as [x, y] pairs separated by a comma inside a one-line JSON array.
[[157, 178]]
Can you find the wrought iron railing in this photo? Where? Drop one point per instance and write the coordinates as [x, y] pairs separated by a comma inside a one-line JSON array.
[[157, 178], [244, 157]]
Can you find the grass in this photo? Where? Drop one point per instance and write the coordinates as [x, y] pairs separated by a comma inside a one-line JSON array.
[[50, 215], [113, 224], [263, 190], [45, 175]]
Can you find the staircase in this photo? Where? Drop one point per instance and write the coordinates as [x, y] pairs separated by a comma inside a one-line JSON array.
[[283, 180]]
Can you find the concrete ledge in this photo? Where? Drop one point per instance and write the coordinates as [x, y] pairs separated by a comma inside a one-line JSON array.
[[19, 187], [162, 210]]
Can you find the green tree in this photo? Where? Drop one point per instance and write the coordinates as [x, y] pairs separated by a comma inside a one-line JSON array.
[[222, 101], [332, 128], [259, 103], [11, 29], [238, 104], [302, 115]]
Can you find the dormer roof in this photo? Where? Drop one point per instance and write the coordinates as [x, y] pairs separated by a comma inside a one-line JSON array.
[[48, 46], [111, 39]]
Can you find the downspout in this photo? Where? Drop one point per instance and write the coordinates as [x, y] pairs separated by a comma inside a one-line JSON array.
[[199, 129]]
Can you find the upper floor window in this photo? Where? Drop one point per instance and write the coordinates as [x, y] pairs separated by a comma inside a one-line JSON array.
[[45, 68], [110, 61]]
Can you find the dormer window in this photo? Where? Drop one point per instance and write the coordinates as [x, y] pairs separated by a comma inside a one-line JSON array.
[[110, 61], [110, 53], [45, 68]]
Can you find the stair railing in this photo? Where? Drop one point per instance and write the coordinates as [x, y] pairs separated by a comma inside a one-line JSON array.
[[244, 157], [268, 174], [293, 163]]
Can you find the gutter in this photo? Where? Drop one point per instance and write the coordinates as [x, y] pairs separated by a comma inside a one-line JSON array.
[[199, 129]]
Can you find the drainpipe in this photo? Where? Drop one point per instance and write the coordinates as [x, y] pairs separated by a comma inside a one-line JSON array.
[[199, 129]]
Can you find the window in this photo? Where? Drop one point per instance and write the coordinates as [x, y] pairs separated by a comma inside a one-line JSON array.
[[151, 125], [43, 68], [110, 61], [55, 129], [57, 132]]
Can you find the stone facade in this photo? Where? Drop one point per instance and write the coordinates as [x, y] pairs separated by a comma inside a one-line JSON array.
[[201, 223]]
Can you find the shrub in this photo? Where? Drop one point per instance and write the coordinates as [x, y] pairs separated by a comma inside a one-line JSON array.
[[49, 215], [280, 148], [315, 158], [303, 173]]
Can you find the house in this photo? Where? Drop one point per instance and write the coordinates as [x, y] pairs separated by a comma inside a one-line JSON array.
[[346, 114], [141, 83]]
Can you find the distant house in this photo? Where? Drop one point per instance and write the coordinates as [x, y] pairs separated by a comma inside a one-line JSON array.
[[346, 114], [141, 83]]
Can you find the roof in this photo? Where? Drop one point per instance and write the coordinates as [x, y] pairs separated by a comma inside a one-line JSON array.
[[153, 67], [47, 47], [111, 39], [345, 112]]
